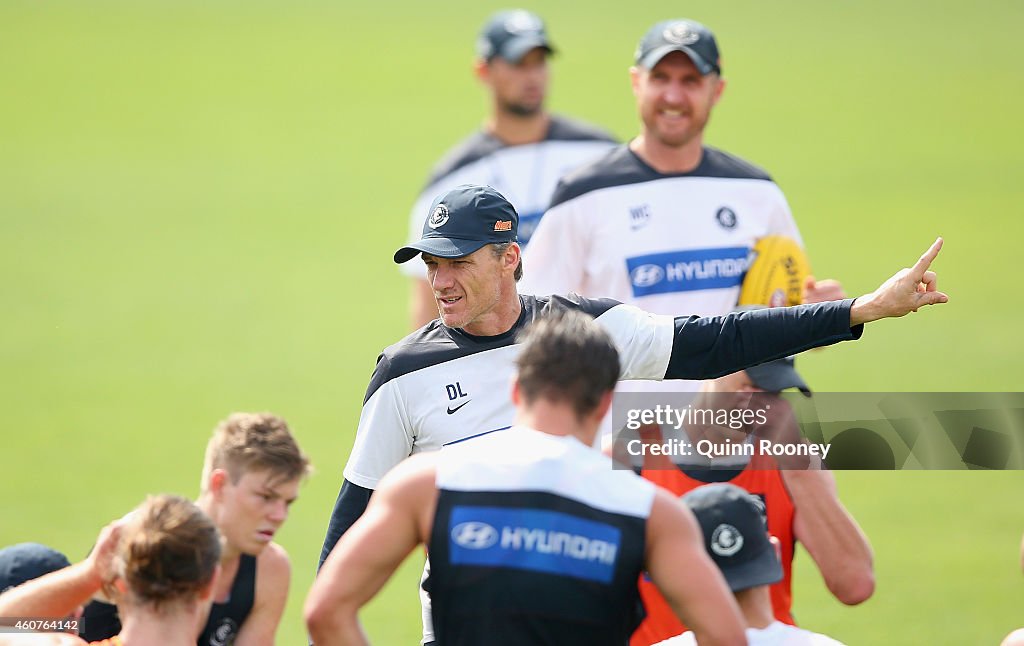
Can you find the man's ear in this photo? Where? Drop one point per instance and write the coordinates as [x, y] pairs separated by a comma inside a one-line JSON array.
[[482, 71], [512, 256], [718, 91], [634, 79], [517, 396], [218, 478]]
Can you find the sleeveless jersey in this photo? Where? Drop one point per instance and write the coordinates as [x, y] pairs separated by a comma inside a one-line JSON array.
[[101, 621], [536, 540], [761, 478]]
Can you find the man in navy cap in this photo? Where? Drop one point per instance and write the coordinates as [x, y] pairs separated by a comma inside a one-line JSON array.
[[447, 382], [738, 542], [521, 150]]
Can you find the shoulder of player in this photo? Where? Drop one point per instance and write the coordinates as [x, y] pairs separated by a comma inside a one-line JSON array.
[[425, 347], [718, 163], [669, 515], [565, 128], [273, 567], [617, 167], [543, 306], [411, 475], [472, 148], [621, 167]]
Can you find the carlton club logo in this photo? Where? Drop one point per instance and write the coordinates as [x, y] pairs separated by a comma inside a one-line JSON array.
[[474, 535], [439, 217], [521, 22], [726, 540], [726, 217], [224, 633], [680, 34]]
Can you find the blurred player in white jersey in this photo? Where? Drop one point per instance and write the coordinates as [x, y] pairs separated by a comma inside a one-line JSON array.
[[521, 150]]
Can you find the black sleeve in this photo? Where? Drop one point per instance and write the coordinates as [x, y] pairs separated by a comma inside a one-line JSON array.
[[706, 348], [350, 505]]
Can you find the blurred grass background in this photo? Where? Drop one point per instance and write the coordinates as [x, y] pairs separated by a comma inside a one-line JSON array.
[[198, 204]]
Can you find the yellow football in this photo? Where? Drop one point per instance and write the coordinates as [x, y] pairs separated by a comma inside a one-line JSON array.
[[775, 273]]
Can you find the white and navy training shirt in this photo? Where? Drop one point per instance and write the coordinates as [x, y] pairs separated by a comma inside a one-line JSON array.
[[536, 539], [440, 385], [525, 174], [668, 243]]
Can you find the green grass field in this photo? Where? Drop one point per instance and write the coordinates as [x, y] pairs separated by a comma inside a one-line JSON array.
[[198, 204]]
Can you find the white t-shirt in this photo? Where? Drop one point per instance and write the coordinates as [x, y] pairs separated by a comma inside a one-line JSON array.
[[525, 174], [775, 634]]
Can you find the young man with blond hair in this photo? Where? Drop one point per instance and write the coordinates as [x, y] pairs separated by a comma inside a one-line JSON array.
[[251, 476]]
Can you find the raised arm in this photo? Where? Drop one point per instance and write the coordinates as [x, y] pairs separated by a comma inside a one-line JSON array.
[[59, 593], [710, 347]]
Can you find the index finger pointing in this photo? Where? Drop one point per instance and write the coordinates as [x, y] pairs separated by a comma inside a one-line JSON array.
[[926, 259]]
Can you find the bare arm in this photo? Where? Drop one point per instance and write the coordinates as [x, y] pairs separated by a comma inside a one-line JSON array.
[[273, 574], [686, 576], [59, 593], [422, 306], [396, 521], [832, 537]]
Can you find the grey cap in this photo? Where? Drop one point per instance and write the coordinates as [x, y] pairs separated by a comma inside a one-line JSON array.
[[511, 34], [680, 35]]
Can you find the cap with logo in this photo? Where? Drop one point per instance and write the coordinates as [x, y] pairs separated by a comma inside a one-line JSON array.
[[463, 220], [26, 561], [511, 34], [687, 36], [735, 534]]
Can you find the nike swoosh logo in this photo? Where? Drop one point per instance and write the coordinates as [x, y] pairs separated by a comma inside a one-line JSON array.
[[452, 410]]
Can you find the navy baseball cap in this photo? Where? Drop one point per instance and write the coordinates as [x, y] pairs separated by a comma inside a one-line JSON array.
[[26, 561], [776, 376], [511, 34], [735, 535], [463, 220], [681, 35]]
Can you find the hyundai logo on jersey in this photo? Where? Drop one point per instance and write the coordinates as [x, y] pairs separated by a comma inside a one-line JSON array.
[[685, 271], [534, 539], [474, 535]]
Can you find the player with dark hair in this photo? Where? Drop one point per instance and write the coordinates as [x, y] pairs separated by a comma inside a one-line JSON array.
[[522, 148], [251, 476], [447, 381], [159, 564], [533, 537]]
